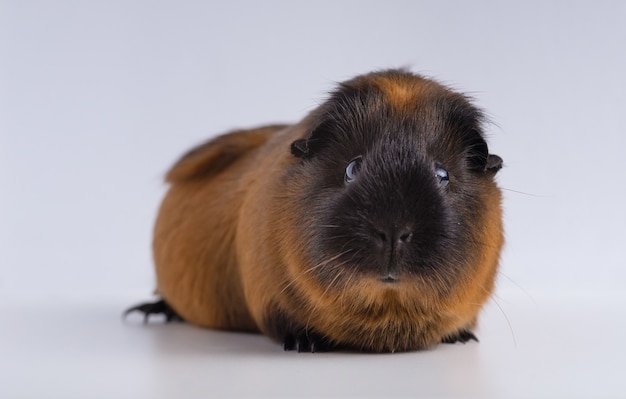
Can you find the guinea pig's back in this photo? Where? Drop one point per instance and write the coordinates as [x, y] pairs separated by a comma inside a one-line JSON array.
[[194, 254]]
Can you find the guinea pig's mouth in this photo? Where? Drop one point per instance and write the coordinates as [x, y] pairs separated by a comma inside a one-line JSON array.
[[389, 278]]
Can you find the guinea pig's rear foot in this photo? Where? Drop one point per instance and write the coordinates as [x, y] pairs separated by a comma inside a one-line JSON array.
[[462, 336], [306, 341], [155, 308]]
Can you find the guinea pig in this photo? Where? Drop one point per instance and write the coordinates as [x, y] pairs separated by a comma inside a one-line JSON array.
[[374, 224]]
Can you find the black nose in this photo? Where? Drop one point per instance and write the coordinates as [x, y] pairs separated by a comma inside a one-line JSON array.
[[395, 236]]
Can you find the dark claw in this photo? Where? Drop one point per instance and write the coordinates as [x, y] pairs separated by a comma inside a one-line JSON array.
[[306, 342], [159, 307], [462, 336], [289, 343]]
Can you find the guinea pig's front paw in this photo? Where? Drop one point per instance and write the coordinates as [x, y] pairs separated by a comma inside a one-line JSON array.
[[462, 336], [306, 341], [155, 308]]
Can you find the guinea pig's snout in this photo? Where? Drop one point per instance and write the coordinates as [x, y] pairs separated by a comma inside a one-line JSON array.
[[394, 236], [391, 242]]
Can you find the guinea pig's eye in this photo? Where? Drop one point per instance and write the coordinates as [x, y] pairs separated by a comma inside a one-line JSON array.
[[352, 170], [442, 175]]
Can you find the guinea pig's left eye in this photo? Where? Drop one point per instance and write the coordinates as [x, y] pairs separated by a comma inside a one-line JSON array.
[[442, 175], [352, 170]]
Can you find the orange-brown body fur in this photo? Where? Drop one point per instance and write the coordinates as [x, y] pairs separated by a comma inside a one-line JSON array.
[[228, 248]]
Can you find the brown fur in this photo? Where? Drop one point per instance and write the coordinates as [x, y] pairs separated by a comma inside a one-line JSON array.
[[229, 247]]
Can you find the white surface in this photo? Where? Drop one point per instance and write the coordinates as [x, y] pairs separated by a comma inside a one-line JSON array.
[[567, 346], [98, 98]]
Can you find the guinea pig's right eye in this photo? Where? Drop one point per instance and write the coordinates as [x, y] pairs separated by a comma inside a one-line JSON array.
[[352, 170], [442, 175]]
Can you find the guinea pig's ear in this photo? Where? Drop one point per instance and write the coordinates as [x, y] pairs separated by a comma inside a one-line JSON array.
[[311, 143], [477, 150], [478, 155], [494, 164], [300, 148]]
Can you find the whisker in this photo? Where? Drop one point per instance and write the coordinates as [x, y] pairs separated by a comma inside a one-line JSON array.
[[335, 237], [311, 269], [518, 286], [308, 321], [355, 254], [333, 281], [327, 261], [349, 280], [523, 193], [507, 321], [492, 297], [348, 243]]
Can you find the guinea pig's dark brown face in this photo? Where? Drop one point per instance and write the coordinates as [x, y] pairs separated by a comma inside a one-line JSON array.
[[396, 170]]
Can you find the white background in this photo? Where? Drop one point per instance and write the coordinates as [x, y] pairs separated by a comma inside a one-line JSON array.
[[99, 98]]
